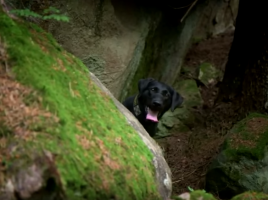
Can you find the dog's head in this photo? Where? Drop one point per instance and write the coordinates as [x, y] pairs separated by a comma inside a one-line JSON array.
[[156, 98]]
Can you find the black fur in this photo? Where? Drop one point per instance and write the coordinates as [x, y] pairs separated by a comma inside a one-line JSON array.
[[158, 97]]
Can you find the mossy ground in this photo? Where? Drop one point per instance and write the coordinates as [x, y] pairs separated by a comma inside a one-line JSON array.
[[99, 156], [249, 137]]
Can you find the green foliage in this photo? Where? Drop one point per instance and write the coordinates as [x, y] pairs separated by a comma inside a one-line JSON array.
[[190, 189], [201, 194], [26, 13], [48, 14]]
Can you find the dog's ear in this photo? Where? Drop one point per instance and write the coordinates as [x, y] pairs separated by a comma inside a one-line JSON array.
[[143, 84], [177, 100]]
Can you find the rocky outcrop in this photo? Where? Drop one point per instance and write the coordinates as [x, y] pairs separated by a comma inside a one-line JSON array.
[[108, 36], [218, 16], [62, 134], [243, 161], [124, 41], [167, 46]]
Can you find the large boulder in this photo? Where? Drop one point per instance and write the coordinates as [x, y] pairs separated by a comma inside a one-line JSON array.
[[242, 164], [62, 134]]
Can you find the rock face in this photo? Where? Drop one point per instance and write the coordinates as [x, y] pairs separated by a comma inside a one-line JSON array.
[[243, 161], [62, 133], [124, 41], [218, 16], [109, 37]]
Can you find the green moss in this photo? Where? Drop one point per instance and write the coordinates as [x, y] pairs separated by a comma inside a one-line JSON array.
[[146, 62], [190, 92], [185, 70], [246, 142], [195, 195], [208, 73], [197, 40], [116, 162]]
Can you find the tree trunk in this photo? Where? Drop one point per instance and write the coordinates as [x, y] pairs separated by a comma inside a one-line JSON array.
[[245, 78]]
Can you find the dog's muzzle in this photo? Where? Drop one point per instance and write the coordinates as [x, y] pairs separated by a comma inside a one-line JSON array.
[[151, 115]]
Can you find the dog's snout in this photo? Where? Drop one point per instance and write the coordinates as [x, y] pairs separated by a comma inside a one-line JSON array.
[[157, 103]]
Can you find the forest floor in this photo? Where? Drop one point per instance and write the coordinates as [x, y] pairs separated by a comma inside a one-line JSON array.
[[189, 153]]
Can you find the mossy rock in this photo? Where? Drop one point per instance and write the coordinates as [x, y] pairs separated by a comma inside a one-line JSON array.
[[200, 194], [195, 195], [182, 119], [242, 164], [189, 90], [251, 196], [185, 115], [162, 130], [208, 73], [61, 136], [185, 70]]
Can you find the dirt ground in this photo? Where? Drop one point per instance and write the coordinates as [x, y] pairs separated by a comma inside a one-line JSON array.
[[189, 153]]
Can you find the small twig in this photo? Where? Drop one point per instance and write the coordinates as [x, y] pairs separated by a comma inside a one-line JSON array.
[[177, 181], [71, 90], [163, 136], [184, 16], [180, 7], [185, 176]]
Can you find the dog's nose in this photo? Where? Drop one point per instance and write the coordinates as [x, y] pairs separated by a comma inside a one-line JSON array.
[[157, 103]]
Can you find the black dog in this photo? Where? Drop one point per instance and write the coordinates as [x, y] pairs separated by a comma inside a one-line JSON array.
[[153, 100]]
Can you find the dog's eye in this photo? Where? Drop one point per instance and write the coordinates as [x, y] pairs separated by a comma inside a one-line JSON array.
[[166, 94], [153, 89]]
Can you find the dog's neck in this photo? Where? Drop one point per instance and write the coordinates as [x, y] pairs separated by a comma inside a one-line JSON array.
[[136, 106]]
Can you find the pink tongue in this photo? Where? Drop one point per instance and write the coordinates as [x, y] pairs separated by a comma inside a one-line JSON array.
[[152, 115]]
